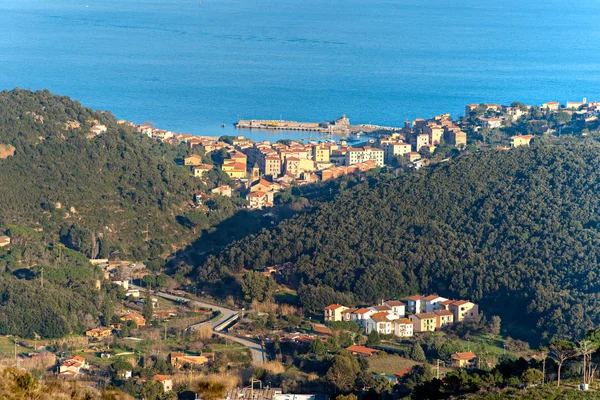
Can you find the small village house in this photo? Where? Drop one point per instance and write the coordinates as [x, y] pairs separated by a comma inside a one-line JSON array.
[[444, 317], [192, 160], [464, 360], [361, 350], [178, 360], [333, 312], [135, 317], [424, 322], [398, 307], [165, 380], [414, 303], [463, 309], [380, 323], [99, 333], [200, 170], [432, 302], [521, 140], [403, 327]]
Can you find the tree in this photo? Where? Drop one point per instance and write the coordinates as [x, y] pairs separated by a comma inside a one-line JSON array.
[[417, 353], [562, 117], [342, 373], [543, 353], [148, 281], [147, 309], [317, 347], [586, 348], [210, 390], [532, 376], [257, 286], [562, 350], [108, 310], [494, 326], [345, 339], [196, 220], [373, 339]]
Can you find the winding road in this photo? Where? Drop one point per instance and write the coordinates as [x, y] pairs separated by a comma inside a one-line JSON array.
[[258, 354]]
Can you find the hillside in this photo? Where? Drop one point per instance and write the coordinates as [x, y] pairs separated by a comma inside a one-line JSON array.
[[98, 191], [516, 231]]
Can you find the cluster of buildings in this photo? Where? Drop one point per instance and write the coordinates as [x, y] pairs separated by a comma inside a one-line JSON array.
[[72, 367], [415, 313]]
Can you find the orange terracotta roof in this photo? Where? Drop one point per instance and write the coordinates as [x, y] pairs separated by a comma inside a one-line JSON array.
[[442, 313], [362, 350], [161, 378], [362, 311], [466, 356], [394, 303], [416, 296], [333, 307], [403, 321], [425, 315], [400, 374]]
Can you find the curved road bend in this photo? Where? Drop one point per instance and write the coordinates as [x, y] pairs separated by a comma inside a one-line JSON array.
[[258, 354]]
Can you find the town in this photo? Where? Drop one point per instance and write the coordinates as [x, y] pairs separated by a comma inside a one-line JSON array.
[[263, 169]]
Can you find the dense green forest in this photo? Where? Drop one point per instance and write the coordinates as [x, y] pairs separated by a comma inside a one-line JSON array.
[[99, 194], [516, 231], [50, 291]]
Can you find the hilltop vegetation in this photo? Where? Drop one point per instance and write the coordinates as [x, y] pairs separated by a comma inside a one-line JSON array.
[[516, 231], [98, 194]]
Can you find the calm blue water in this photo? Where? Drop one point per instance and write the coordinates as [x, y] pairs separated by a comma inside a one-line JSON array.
[[191, 67]]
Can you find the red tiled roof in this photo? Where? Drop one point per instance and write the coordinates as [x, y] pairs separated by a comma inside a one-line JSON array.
[[400, 374], [361, 350], [333, 306], [466, 356]]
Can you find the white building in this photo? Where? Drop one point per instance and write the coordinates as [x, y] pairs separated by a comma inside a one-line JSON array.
[[363, 154], [403, 327]]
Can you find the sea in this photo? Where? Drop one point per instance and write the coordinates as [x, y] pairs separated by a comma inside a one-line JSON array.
[[190, 66]]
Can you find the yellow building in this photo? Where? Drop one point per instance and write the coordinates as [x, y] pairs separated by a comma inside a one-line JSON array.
[[234, 169], [192, 160], [321, 153], [424, 322], [333, 312], [99, 332], [200, 170], [464, 360], [521, 140], [463, 309]]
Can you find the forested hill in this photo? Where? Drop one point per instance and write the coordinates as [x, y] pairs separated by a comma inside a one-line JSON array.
[[98, 193], [516, 231]]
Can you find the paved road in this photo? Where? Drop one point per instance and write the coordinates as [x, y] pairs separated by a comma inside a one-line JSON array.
[[258, 354]]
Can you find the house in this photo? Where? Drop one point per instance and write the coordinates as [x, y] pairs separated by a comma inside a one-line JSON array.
[[464, 360], [334, 312], [260, 199], [400, 374], [4, 241], [398, 307], [165, 380], [575, 105], [403, 327], [347, 314], [463, 309], [200, 170], [178, 360], [412, 156], [99, 333], [380, 323], [135, 317], [272, 165], [361, 350], [456, 137], [393, 149], [72, 367], [192, 160], [414, 303], [361, 316], [492, 122], [424, 322], [124, 375], [366, 153], [521, 140], [432, 302], [223, 190], [235, 170], [421, 141], [551, 106], [444, 317], [199, 198]]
